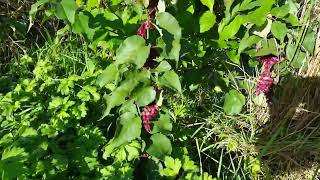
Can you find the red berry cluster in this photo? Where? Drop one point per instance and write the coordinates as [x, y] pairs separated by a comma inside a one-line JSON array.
[[266, 81], [149, 112]]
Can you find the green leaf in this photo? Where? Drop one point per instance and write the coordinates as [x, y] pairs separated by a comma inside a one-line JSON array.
[[280, 12], [170, 26], [172, 167], [233, 103], [290, 50], [133, 50], [163, 66], [129, 129], [259, 15], [163, 125], [171, 79], [231, 29], [81, 25], [116, 2], [208, 3], [67, 10], [309, 41], [118, 96], [247, 42], [279, 30], [299, 60], [292, 19], [144, 96], [161, 146], [268, 47], [108, 75], [168, 22], [207, 21]]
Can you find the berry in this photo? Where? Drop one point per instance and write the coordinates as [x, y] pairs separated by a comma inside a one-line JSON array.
[[149, 112]]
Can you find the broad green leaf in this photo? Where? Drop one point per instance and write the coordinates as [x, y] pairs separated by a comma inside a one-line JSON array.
[[169, 23], [67, 10], [247, 42], [231, 29], [163, 66], [81, 25], [207, 21], [268, 47], [171, 79], [128, 130], [265, 31], [259, 15], [279, 30], [233, 103], [163, 125], [290, 50], [170, 26], [280, 12], [299, 59], [108, 75], [133, 50], [309, 41], [292, 19], [92, 4], [144, 96], [172, 167], [118, 96], [208, 3], [116, 2], [161, 146]]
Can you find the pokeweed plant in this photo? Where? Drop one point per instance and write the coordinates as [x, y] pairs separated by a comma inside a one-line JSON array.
[[140, 46]]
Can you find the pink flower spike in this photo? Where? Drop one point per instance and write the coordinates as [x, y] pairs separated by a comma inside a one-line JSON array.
[[142, 31], [269, 60]]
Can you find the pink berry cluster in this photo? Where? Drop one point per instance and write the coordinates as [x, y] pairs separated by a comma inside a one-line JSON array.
[[149, 112], [266, 81], [152, 8]]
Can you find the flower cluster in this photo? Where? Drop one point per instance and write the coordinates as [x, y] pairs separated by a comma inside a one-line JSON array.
[[266, 81], [149, 112]]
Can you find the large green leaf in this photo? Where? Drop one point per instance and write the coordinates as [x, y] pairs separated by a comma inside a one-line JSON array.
[[161, 146], [208, 3], [259, 15], [81, 25], [279, 30], [108, 75], [163, 125], [163, 66], [299, 59], [231, 29], [67, 10], [207, 21], [129, 129], [144, 96], [169, 23], [247, 42], [233, 103], [133, 50], [118, 96], [309, 41], [171, 34], [280, 12], [171, 79]]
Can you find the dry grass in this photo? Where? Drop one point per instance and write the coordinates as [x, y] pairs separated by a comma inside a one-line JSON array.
[[290, 140]]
